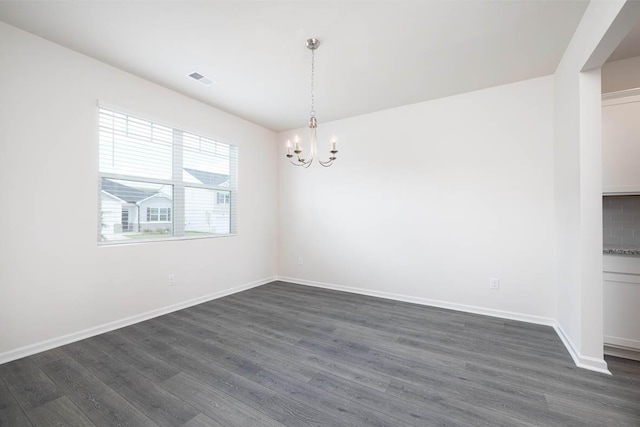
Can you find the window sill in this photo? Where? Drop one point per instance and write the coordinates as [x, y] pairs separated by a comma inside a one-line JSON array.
[[165, 239]]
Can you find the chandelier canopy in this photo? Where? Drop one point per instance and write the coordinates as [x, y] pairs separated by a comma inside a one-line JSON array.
[[312, 44]]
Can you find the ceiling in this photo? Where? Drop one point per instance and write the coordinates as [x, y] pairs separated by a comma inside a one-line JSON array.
[[373, 54], [629, 47]]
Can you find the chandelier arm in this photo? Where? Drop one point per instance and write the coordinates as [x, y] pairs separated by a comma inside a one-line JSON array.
[[304, 163], [327, 163]]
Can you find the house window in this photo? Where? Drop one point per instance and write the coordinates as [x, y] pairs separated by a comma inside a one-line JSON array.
[[158, 214], [159, 182], [223, 198]]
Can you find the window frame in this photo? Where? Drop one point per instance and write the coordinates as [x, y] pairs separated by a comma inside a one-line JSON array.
[[226, 198], [159, 213], [178, 184]]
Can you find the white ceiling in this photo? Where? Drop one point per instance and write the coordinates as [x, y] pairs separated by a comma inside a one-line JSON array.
[[629, 47], [373, 54]]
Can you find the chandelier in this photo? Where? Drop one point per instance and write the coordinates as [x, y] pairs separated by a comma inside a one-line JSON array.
[[312, 44]]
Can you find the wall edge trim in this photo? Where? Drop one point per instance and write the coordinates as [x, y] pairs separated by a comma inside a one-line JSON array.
[[625, 353], [622, 342], [49, 344], [621, 94], [585, 362]]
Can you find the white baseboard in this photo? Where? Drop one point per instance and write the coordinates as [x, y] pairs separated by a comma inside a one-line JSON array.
[[625, 353], [117, 324], [590, 363], [622, 347], [427, 301], [586, 362], [622, 342]]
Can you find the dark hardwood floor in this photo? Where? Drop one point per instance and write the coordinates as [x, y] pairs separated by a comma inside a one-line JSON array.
[[284, 354]]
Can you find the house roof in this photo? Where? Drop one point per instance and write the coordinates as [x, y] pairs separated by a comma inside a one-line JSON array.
[[208, 178], [135, 195], [117, 199], [124, 192], [164, 196]]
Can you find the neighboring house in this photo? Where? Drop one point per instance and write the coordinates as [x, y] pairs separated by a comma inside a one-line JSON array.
[[129, 209], [111, 209], [215, 206], [155, 214]]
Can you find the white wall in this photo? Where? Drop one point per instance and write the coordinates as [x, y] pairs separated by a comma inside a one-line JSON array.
[[428, 201], [57, 281], [621, 75], [578, 176]]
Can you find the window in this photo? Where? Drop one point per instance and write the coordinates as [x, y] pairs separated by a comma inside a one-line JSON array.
[[158, 182], [223, 198], [158, 214]]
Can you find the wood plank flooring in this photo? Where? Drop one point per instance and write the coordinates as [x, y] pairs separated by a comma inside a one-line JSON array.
[[284, 354]]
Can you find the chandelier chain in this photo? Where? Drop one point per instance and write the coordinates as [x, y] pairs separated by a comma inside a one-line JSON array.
[[295, 150], [313, 67]]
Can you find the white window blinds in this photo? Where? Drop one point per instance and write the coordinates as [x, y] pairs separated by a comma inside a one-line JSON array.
[[158, 182]]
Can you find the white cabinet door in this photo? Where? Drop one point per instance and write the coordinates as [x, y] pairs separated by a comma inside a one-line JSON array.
[[621, 314], [621, 301], [621, 145]]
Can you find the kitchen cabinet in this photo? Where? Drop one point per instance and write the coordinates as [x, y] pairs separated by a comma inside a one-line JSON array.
[[621, 301], [621, 142]]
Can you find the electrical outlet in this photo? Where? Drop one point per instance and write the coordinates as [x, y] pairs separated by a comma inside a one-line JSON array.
[[494, 284], [171, 279], [300, 261]]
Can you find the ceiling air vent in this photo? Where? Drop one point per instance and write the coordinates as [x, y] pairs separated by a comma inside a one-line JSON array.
[[202, 79]]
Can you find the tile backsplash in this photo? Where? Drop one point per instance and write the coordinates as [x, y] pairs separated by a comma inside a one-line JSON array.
[[621, 222]]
